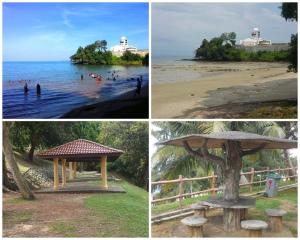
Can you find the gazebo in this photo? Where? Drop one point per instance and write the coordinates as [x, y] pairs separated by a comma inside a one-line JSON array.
[[80, 150], [234, 145]]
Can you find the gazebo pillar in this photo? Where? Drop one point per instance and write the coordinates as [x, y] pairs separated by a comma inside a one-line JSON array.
[[75, 169], [71, 170], [104, 171], [55, 174], [63, 172]]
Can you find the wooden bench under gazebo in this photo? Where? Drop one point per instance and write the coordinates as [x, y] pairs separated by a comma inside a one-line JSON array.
[[80, 150], [234, 145]]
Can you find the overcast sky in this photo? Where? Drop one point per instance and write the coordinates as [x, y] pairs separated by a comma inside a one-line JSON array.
[[178, 28]]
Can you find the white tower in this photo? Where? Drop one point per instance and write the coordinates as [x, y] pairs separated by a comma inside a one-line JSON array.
[[256, 33], [123, 42]]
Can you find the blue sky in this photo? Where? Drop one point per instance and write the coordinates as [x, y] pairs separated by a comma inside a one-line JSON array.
[[54, 31], [178, 28]]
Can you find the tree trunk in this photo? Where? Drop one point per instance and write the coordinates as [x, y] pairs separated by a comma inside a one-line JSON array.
[[232, 170], [233, 165], [289, 164], [6, 182], [231, 219], [10, 160], [32, 148]]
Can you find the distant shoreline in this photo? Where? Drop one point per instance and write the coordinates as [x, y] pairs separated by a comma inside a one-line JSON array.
[[229, 61]]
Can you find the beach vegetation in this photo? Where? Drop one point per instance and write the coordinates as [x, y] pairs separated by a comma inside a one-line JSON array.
[[289, 11], [223, 48], [97, 54]]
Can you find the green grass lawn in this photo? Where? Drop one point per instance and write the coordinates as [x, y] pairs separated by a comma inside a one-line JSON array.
[[128, 211], [98, 215]]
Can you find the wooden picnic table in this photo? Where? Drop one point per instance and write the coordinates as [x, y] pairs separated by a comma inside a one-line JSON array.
[[234, 211]]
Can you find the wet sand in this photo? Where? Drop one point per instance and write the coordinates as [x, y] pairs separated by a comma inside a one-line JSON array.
[[125, 106], [234, 84]]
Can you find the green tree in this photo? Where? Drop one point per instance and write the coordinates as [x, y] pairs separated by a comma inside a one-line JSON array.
[[33, 135], [129, 56], [132, 138], [146, 60], [289, 11]]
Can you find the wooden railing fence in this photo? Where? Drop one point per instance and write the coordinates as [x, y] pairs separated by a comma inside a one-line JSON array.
[[213, 188]]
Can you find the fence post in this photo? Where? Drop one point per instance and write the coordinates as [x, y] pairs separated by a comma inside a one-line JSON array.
[[252, 179], [213, 183], [180, 190]]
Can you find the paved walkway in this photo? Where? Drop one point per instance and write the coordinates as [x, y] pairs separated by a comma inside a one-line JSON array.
[[82, 187]]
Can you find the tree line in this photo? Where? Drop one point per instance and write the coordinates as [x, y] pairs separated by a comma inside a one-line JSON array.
[[29, 137], [223, 48], [97, 54]]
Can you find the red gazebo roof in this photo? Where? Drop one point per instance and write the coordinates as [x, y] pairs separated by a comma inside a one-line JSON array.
[[80, 150]]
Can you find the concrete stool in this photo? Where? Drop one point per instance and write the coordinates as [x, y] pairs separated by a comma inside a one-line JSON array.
[[199, 209], [275, 219], [254, 227], [195, 225]]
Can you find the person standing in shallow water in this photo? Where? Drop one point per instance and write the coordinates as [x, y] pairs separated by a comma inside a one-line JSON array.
[[138, 87], [26, 88], [81, 77], [38, 89]]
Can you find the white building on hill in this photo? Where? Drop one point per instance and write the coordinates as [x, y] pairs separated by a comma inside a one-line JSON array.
[[118, 50], [255, 39]]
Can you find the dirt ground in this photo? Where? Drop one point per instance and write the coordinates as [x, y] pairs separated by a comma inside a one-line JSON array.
[[53, 215], [213, 228]]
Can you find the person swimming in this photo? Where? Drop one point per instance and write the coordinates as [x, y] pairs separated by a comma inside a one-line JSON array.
[[26, 90], [38, 89]]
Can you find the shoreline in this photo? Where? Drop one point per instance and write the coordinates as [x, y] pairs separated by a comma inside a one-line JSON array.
[[235, 85], [124, 106]]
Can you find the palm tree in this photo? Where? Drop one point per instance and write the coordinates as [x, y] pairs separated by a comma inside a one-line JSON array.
[[169, 161]]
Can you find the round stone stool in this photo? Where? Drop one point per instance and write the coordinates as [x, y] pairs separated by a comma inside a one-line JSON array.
[[199, 209], [195, 225], [275, 219], [254, 227]]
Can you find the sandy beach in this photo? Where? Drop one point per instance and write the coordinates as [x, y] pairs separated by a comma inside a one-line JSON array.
[[125, 106], [222, 84]]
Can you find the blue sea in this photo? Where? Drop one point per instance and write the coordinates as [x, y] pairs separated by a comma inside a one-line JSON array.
[[62, 88]]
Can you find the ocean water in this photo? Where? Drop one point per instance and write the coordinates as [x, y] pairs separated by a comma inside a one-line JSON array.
[[168, 69], [62, 89]]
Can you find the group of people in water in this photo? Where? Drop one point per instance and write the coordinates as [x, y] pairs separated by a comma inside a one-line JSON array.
[[114, 77], [38, 89], [98, 77]]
